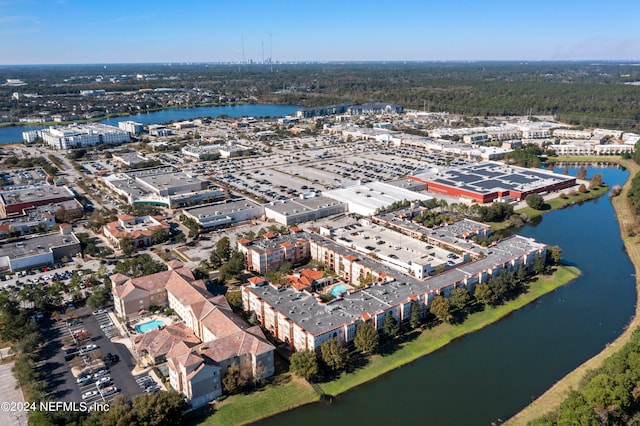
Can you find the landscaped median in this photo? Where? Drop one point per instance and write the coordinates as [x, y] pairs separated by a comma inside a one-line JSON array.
[[437, 337]]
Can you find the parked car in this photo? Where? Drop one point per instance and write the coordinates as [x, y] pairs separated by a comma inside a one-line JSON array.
[[88, 348], [90, 394], [99, 311], [103, 382], [100, 373], [110, 391], [85, 381]]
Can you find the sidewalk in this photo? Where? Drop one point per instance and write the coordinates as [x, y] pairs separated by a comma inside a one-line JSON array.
[[10, 392]]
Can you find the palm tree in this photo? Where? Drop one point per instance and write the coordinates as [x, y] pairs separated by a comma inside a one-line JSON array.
[[443, 204]]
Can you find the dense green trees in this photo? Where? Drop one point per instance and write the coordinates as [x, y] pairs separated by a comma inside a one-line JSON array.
[[334, 354], [390, 327], [634, 194], [161, 408], [366, 338], [535, 201], [223, 248], [127, 246], [230, 270], [460, 299], [608, 395], [525, 156], [139, 266], [236, 378], [484, 294], [414, 316], [99, 297], [305, 364], [441, 309]]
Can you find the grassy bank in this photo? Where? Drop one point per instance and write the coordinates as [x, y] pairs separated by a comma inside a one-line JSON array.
[[272, 399], [439, 336], [559, 392], [560, 203]]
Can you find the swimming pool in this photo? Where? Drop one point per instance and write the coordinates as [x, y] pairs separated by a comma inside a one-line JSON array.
[[148, 326], [338, 290]]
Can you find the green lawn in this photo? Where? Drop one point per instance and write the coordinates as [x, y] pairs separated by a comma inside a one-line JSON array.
[[272, 399], [437, 337]]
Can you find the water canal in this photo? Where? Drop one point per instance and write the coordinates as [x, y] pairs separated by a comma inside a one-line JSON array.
[[493, 373]]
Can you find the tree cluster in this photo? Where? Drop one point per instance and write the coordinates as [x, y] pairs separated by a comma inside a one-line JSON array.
[[159, 409], [535, 201], [525, 156], [431, 219], [30, 162], [499, 288], [609, 395], [495, 212], [139, 266]]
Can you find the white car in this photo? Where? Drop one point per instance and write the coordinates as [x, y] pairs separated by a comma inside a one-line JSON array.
[[109, 391], [106, 326], [101, 373], [90, 347], [99, 311], [90, 394], [103, 382]]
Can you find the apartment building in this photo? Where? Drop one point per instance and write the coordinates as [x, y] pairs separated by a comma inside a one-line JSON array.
[[267, 254], [301, 320], [212, 338]]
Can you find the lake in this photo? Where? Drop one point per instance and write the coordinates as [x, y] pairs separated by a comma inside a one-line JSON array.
[[14, 133]]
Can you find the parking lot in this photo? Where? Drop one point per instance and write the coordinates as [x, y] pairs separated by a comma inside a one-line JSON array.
[[106, 370]]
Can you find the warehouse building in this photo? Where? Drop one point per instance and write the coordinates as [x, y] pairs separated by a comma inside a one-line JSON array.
[[303, 209], [490, 181], [366, 199], [14, 202], [37, 251], [225, 213]]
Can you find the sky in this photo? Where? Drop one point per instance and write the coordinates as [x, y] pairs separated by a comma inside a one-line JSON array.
[[137, 31]]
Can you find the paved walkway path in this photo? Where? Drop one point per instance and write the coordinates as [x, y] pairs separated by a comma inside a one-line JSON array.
[[11, 393]]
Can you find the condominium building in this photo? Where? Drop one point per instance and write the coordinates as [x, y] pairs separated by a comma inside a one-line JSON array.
[[211, 339], [77, 136], [303, 321], [131, 127]]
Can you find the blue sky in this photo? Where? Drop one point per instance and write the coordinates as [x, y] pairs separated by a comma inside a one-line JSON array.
[[117, 31]]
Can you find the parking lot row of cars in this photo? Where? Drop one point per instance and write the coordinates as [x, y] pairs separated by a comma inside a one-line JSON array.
[[147, 384], [94, 380]]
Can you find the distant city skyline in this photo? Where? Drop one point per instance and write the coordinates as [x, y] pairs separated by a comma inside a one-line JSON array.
[[117, 31]]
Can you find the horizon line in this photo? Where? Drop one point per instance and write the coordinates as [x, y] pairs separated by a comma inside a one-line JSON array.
[[337, 62]]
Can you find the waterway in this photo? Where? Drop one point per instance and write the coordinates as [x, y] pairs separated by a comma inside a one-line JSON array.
[[490, 375], [14, 133]]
